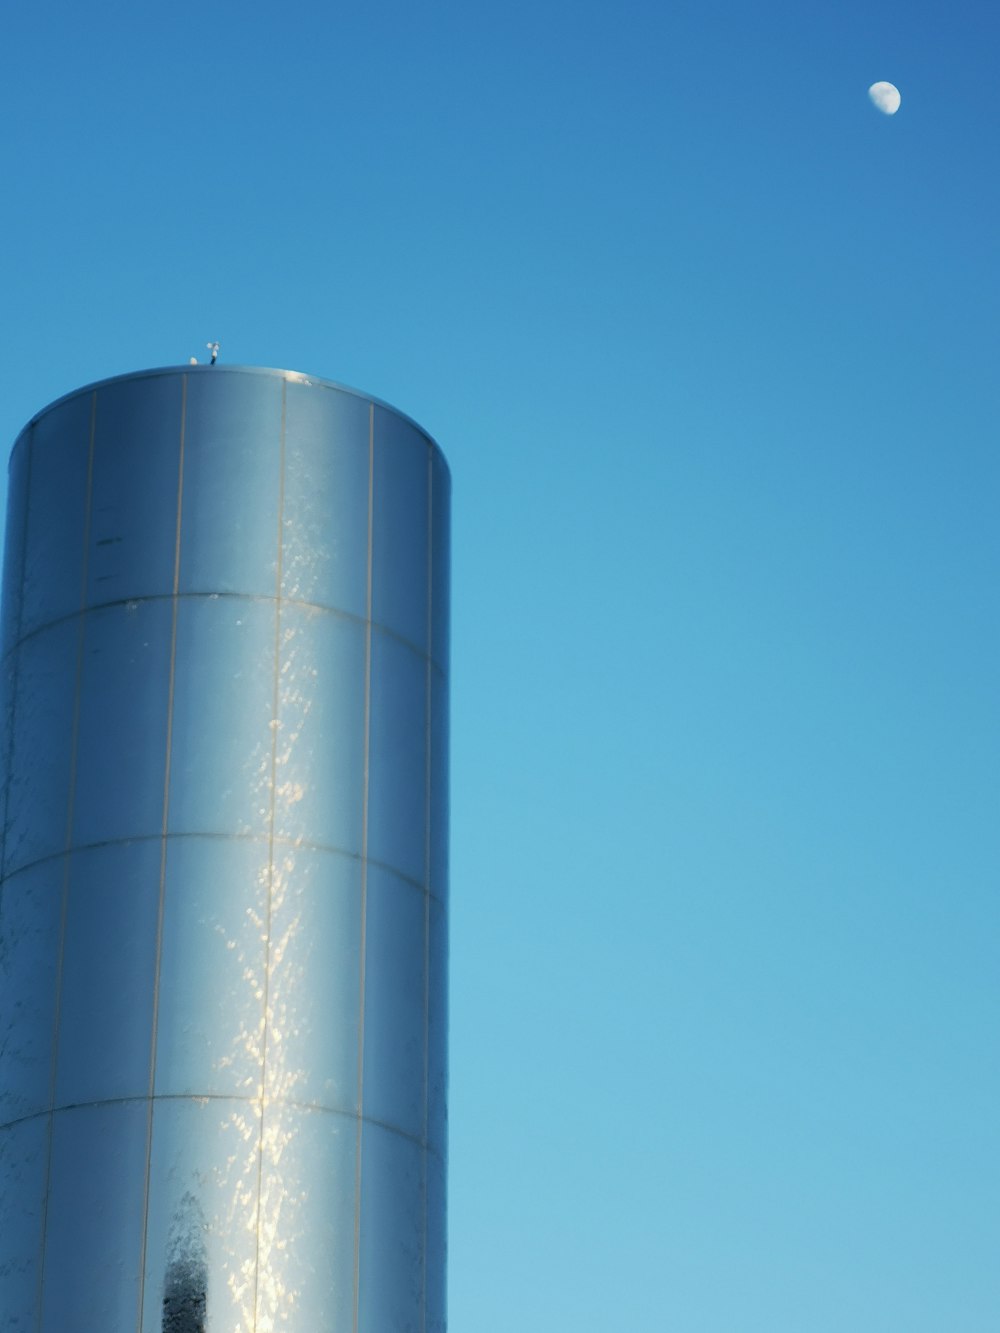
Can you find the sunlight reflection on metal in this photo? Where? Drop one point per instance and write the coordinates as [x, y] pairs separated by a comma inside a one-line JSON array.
[[238, 594]]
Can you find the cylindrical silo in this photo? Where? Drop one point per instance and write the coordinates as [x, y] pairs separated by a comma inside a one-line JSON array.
[[223, 888]]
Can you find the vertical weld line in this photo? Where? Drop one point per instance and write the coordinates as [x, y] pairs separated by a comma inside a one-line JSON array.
[[67, 844], [16, 669], [275, 727], [161, 888], [365, 789], [427, 870]]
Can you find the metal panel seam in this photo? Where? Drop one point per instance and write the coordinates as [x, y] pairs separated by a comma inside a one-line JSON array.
[[275, 728], [70, 802], [364, 867], [299, 602], [157, 963], [202, 1098], [280, 840]]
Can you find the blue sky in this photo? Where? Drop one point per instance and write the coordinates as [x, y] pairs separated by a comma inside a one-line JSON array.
[[711, 346]]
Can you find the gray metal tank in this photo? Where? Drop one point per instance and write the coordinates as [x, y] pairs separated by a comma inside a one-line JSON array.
[[223, 887]]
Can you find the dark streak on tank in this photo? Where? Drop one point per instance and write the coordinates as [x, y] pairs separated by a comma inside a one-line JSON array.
[[185, 1282]]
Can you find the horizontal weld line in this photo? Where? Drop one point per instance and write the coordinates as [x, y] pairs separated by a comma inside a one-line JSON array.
[[262, 838], [231, 597], [202, 1097]]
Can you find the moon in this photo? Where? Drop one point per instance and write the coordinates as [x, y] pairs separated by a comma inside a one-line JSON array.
[[886, 97]]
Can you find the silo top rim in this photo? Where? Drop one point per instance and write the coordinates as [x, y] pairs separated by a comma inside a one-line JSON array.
[[292, 376]]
